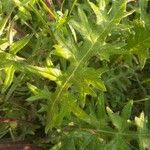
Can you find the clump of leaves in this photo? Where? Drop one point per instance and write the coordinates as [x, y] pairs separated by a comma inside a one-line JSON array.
[[81, 68]]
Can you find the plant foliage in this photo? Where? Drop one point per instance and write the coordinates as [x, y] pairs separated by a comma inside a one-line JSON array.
[[75, 73]]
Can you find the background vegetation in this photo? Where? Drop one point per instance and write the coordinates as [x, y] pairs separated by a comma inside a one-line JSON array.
[[75, 74]]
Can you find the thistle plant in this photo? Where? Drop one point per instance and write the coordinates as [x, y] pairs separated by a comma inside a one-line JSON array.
[[76, 72]]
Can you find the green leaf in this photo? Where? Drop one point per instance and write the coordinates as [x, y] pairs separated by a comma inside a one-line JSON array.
[[92, 77], [4, 129], [142, 129], [69, 144], [9, 71], [47, 72], [6, 58], [99, 11], [71, 106], [83, 27], [118, 11], [102, 4], [126, 112], [117, 143], [39, 94], [18, 45], [77, 111], [139, 43], [115, 118], [85, 51], [57, 117], [20, 64], [108, 50], [101, 112], [66, 41], [143, 4], [84, 90], [62, 52], [3, 24], [61, 20]]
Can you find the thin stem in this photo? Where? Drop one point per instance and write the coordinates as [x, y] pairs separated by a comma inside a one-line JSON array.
[[72, 7]]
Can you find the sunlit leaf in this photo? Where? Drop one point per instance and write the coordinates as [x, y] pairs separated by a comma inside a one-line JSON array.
[[18, 45], [9, 71], [50, 73], [3, 24], [39, 94], [142, 129]]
